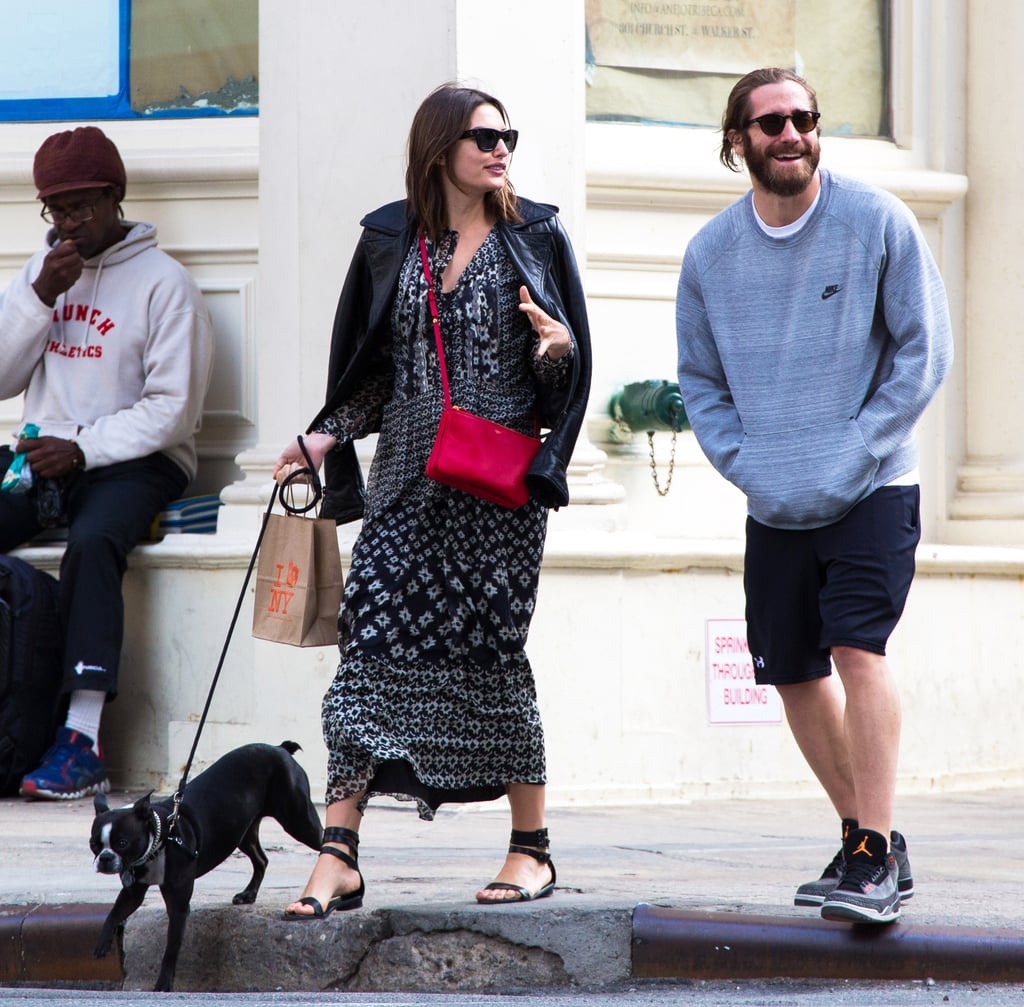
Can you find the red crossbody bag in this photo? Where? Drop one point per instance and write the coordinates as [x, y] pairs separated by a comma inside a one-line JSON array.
[[470, 453]]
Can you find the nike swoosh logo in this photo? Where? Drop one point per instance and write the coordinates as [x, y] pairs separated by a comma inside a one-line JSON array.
[[830, 292]]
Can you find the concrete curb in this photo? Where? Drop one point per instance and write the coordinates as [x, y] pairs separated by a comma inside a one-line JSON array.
[[452, 948], [54, 943], [674, 944], [446, 948]]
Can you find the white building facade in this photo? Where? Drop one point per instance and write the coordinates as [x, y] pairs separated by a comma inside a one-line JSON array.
[[638, 591]]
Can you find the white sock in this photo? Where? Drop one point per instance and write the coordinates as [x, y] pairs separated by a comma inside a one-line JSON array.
[[84, 714]]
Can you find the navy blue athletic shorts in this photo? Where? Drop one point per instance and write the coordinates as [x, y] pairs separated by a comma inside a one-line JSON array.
[[845, 584]]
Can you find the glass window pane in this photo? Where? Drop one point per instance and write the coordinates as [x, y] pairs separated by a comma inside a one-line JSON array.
[[675, 62], [194, 55], [36, 60]]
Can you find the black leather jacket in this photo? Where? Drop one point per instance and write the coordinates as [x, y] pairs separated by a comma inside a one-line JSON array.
[[540, 250]]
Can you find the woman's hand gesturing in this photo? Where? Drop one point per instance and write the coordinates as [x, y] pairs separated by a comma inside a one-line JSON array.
[[555, 341]]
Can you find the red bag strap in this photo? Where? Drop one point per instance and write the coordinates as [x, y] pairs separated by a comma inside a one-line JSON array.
[[437, 329], [437, 320]]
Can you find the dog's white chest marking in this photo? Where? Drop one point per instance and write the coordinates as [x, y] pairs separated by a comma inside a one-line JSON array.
[[152, 873]]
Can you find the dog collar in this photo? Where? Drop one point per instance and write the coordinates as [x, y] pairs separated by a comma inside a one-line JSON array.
[[155, 842]]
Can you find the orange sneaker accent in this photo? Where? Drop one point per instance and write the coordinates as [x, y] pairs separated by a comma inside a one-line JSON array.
[[862, 848]]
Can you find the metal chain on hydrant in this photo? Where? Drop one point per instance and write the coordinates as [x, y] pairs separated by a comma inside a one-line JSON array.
[[654, 465]]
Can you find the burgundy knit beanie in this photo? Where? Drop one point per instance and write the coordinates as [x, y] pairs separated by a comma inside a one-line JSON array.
[[82, 158]]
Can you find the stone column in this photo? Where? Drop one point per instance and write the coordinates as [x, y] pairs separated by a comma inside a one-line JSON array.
[[339, 84], [988, 504]]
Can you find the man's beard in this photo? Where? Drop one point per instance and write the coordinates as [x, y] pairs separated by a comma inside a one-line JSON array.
[[785, 182]]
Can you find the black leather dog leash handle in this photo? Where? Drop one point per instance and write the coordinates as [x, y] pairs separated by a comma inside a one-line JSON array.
[[308, 473]]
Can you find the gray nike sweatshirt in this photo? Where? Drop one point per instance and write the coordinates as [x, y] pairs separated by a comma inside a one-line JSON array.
[[805, 362]]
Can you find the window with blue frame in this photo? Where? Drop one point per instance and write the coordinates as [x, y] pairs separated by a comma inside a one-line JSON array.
[[66, 60]]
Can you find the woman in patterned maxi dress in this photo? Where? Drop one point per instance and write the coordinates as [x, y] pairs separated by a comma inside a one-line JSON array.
[[434, 698]]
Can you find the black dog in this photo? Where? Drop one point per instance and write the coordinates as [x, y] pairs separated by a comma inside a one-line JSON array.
[[220, 812]]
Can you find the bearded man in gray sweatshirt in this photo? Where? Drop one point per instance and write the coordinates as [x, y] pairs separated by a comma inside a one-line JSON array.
[[813, 330]]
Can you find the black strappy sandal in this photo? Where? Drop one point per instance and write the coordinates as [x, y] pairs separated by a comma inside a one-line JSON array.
[[340, 903], [523, 842]]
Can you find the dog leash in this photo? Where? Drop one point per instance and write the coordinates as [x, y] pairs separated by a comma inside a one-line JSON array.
[[310, 475]]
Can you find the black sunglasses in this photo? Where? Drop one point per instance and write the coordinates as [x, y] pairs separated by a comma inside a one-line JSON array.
[[772, 124], [487, 139]]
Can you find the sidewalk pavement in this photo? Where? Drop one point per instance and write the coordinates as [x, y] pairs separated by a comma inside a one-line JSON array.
[[724, 871]]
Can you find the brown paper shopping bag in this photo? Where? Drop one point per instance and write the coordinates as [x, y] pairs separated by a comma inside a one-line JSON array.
[[298, 582]]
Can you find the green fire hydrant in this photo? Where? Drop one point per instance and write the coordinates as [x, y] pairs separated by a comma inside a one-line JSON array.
[[646, 406]]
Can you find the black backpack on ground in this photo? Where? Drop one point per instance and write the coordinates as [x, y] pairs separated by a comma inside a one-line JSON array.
[[30, 669]]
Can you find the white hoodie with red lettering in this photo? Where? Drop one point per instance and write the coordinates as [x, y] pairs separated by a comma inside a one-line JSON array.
[[122, 361]]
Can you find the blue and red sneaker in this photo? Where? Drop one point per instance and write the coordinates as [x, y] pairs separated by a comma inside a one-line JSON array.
[[70, 769]]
